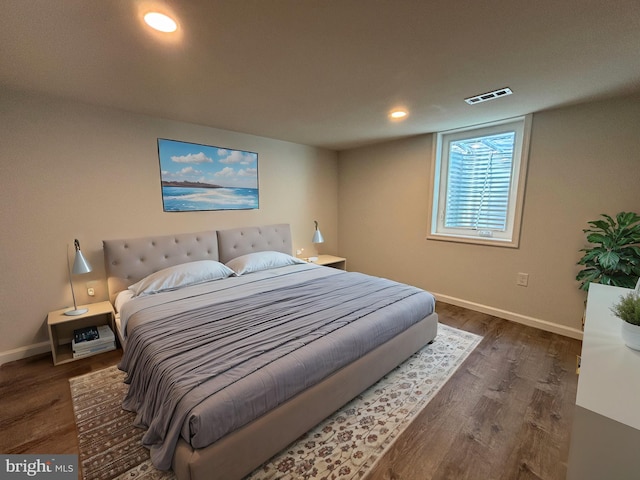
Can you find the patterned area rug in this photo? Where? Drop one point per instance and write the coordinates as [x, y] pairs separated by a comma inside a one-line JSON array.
[[344, 446]]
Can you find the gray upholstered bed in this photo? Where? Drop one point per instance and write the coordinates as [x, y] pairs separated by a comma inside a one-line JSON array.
[[224, 427]]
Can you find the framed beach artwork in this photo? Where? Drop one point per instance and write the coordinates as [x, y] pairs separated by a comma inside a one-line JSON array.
[[198, 177]]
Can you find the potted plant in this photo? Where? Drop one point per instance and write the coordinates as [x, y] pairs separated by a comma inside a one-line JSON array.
[[615, 257], [628, 310]]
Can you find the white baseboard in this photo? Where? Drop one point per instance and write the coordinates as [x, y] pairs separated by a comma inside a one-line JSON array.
[[24, 352], [514, 317]]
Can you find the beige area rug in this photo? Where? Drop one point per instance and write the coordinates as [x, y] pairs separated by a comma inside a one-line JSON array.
[[344, 446]]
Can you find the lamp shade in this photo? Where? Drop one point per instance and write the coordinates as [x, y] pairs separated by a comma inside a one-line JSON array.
[[80, 264], [317, 236]]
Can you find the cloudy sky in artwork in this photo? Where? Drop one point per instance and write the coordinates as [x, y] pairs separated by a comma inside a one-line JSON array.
[[182, 161]]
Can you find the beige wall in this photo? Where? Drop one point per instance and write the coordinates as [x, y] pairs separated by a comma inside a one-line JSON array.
[[584, 160], [75, 171]]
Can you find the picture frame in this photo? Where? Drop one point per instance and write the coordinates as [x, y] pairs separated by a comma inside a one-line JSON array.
[[196, 177]]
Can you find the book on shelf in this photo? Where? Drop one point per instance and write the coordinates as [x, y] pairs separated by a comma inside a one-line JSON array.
[[85, 334], [92, 351], [92, 340]]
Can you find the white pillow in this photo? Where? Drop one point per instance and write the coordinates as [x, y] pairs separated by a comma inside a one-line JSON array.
[[182, 275], [254, 262], [123, 297]]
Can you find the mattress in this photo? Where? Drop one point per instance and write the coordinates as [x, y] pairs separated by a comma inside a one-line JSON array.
[[244, 386]]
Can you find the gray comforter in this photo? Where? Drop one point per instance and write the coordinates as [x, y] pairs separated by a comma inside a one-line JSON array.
[[182, 361]]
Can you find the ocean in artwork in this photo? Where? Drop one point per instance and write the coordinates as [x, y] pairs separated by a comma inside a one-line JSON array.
[[181, 199]]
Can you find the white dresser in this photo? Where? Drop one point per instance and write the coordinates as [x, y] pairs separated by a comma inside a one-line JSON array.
[[605, 439]]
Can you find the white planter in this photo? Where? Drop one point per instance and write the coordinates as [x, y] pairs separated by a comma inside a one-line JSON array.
[[631, 335]]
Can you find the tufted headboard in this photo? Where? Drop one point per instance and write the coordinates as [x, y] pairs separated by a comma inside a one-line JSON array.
[[240, 241], [129, 260]]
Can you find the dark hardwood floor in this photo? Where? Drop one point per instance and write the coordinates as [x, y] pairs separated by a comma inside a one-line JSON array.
[[505, 414]]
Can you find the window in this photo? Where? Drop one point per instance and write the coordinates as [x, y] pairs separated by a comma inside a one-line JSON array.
[[478, 183]]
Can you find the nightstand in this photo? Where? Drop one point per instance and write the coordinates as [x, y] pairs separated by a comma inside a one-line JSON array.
[[61, 328], [331, 261]]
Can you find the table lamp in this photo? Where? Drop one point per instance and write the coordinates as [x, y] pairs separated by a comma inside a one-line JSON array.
[[80, 266]]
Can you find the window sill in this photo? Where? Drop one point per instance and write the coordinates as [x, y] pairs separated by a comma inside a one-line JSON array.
[[493, 242]]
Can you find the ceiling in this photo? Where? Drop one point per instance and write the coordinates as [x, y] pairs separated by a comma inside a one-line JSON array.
[[324, 72]]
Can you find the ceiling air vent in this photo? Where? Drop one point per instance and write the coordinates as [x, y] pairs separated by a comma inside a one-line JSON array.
[[488, 96]]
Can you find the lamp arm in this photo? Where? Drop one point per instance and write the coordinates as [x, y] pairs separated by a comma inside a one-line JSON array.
[[73, 295]]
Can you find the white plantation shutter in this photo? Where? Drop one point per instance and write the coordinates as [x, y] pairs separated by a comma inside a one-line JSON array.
[[479, 181]]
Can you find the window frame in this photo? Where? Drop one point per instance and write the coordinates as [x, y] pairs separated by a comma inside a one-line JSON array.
[[439, 172]]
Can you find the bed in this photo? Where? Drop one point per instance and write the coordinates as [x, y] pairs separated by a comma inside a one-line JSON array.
[[221, 416]]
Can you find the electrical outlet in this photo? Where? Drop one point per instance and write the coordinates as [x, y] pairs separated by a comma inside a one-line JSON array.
[[522, 279], [92, 287]]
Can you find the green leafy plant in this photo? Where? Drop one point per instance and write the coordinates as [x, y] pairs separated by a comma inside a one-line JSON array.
[[615, 258], [628, 308]]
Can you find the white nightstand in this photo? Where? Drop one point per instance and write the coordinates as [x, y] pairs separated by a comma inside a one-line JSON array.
[[331, 261], [61, 328]]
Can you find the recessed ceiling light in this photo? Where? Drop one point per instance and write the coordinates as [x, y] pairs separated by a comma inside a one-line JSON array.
[[160, 22], [398, 114]]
